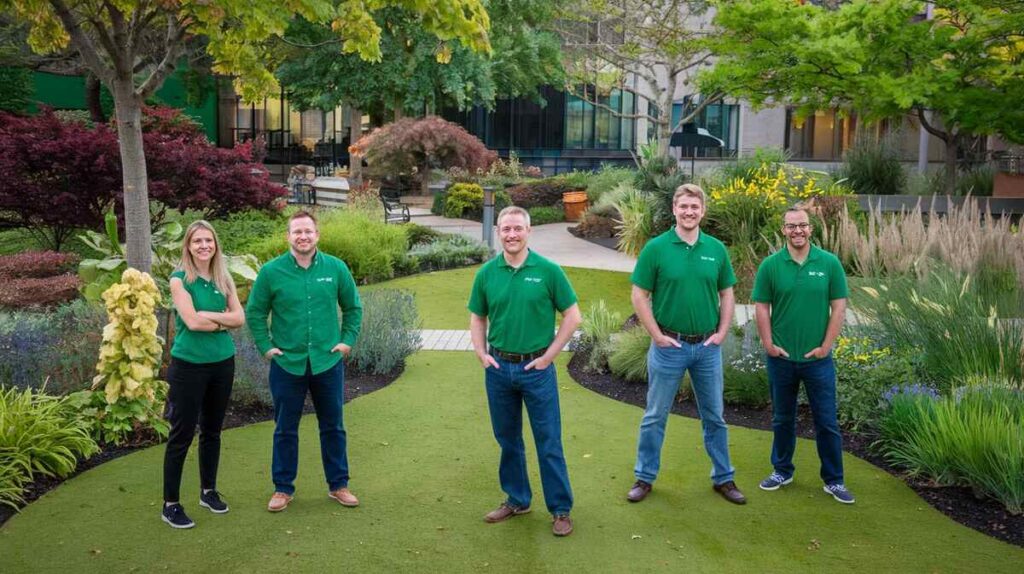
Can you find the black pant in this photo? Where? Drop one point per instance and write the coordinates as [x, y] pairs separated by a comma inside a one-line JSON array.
[[199, 393]]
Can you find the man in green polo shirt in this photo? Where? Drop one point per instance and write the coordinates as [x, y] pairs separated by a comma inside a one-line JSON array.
[[682, 294], [301, 291], [800, 297], [516, 294]]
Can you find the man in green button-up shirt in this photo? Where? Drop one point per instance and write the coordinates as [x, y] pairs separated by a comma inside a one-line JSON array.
[[301, 291]]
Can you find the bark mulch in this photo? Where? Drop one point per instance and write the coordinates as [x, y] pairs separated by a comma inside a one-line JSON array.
[[959, 503], [238, 415]]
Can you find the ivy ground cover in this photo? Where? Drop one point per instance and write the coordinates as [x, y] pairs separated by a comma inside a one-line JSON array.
[[425, 466]]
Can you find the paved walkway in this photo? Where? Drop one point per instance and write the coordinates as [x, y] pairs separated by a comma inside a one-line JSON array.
[[552, 241]]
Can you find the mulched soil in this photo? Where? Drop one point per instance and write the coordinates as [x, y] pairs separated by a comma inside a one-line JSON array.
[[959, 503], [238, 415]]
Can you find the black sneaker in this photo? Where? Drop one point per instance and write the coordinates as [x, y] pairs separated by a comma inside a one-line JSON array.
[[174, 515], [212, 501]]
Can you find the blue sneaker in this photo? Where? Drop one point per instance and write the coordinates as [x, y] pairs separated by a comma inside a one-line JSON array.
[[839, 492], [775, 481]]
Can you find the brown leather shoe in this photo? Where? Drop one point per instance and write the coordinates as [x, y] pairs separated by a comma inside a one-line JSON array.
[[729, 492], [279, 502], [345, 497], [504, 512], [639, 491], [562, 526]]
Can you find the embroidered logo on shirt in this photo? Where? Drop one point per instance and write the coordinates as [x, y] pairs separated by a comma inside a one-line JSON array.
[[706, 258], [533, 279], [323, 279], [816, 273]]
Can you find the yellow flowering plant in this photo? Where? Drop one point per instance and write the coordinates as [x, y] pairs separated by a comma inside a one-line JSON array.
[[126, 392]]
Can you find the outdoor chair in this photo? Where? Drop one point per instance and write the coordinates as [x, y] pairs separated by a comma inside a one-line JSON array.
[[394, 210]]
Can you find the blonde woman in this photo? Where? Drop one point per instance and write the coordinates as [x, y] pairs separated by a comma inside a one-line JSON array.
[[202, 367]]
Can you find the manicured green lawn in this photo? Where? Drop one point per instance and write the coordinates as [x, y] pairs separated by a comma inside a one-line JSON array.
[[425, 465], [441, 297]]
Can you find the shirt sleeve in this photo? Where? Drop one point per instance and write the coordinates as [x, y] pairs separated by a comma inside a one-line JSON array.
[[477, 297], [837, 288], [726, 276], [763, 288], [351, 306], [564, 295], [256, 311], [645, 273]]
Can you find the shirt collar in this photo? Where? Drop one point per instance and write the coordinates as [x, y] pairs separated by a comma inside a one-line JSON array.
[[313, 262], [812, 255], [677, 239], [531, 260]]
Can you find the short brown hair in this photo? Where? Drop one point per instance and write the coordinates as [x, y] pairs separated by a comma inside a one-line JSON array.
[[689, 190], [302, 213]]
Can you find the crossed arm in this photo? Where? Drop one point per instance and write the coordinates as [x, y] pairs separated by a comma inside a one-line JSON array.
[[208, 321]]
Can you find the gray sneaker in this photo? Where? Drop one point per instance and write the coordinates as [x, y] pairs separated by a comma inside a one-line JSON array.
[[839, 492], [774, 481]]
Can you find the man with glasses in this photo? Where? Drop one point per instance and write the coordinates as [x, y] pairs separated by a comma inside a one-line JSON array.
[[682, 295], [516, 295], [800, 297]]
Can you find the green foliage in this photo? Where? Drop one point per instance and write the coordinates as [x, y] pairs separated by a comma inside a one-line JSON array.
[[659, 176], [372, 249], [977, 181], [39, 435], [628, 361], [975, 439], [873, 166], [462, 198], [606, 179], [420, 234], [240, 230], [636, 222], [542, 215], [16, 89], [448, 251], [864, 371], [746, 380], [390, 331], [599, 326], [946, 322], [437, 205]]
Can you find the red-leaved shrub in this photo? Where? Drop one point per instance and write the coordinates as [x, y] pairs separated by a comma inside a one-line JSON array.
[[543, 193], [420, 144], [36, 264], [39, 291]]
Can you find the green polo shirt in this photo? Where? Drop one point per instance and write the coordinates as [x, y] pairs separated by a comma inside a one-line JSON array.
[[520, 303], [303, 309], [800, 296], [201, 346], [684, 280]]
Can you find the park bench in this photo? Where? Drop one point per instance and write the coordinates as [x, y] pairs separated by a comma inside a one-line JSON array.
[[394, 210]]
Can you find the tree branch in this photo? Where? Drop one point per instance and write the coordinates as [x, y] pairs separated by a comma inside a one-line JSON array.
[[120, 51], [174, 43], [944, 136], [704, 103], [81, 41]]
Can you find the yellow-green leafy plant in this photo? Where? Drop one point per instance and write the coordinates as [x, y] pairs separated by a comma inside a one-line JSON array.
[[126, 393]]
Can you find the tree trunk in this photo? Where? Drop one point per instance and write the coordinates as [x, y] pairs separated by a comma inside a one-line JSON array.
[[92, 99], [424, 173], [128, 110], [355, 162], [950, 163], [398, 108]]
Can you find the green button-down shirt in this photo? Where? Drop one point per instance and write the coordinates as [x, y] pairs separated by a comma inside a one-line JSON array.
[[303, 308]]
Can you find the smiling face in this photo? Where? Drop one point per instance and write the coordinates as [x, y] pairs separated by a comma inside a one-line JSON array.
[[689, 211], [796, 226], [513, 231], [303, 236], [202, 246]]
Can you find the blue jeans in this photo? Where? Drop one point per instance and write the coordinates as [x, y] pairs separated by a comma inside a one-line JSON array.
[[289, 393], [819, 378], [508, 388], [665, 369]]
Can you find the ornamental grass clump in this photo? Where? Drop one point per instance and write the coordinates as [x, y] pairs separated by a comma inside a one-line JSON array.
[[598, 327], [636, 220], [126, 394], [629, 359]]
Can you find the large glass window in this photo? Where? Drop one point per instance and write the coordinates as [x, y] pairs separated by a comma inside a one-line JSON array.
[[822, 136], [721, 120]]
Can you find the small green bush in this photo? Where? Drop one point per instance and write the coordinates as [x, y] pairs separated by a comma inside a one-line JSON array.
[[463, 198], [448, 251], [629, 359], [39, 435], [252, 373], [239, 231], [598, 326], [542, 215], [606, 179], [437, 206], [873, 167], [420, 234], [636, 224], [372, 249], [746, 380], [389, 334], [977, 181], [973, 438]]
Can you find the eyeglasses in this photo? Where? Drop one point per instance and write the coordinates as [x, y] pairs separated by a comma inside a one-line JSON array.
[[795, 226]]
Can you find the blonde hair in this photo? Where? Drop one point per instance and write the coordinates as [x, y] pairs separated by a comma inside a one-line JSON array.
[[690, 190], [513, 210], [219, 274]]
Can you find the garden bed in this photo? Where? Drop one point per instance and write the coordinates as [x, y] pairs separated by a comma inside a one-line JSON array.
[[959, 503], [238, 415]]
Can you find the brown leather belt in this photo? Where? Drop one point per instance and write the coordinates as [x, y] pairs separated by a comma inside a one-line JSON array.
[[517, 357], [691, 339]]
